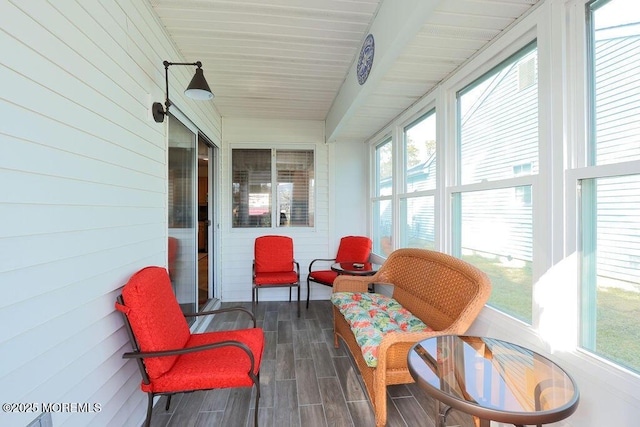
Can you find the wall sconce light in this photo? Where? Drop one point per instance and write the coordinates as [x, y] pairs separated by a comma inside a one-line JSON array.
[[198, 89]]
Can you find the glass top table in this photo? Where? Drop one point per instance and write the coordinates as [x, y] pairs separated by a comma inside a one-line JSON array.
[[355, 269], [492, 380]]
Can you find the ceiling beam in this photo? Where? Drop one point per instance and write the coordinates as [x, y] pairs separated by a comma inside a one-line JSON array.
[[395, 24]]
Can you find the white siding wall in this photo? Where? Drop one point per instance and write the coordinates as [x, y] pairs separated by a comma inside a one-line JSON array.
[[338, 178], [349, 181], [82, 197]]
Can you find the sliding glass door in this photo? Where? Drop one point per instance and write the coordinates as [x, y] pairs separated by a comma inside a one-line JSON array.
[[183, 215], [206, 205]]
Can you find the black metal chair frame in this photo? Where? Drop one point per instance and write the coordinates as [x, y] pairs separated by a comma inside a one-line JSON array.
[[139, 356], [254, 294], [310, 279]]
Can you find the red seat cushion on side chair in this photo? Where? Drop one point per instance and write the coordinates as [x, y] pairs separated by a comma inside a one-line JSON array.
[[326, 276], [217, 368], [275, 278]]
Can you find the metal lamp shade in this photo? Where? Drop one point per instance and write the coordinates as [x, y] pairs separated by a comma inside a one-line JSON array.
[[199, 88]]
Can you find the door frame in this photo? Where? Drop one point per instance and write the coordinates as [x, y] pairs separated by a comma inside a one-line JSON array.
[[213, 207]]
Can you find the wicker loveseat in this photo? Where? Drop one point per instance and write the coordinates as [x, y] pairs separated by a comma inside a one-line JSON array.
[[442, 291]]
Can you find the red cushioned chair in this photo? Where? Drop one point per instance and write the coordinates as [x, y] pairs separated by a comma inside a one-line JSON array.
[[351, 249], [172, 359], [274, 266]]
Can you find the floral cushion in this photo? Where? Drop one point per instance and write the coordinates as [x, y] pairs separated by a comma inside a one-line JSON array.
[[371, 316]]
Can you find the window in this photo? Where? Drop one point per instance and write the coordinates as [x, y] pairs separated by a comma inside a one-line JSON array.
[[417, 203], [615, 46], [609, 240], [254, 171], [382, 206], [498, 157], [522, 194]]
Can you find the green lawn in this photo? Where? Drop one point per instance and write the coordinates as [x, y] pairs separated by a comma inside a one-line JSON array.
[[511, 287], [618, 310], [618, 329]]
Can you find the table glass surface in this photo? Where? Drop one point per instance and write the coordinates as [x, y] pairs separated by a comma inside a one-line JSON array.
[[367, 268], [492, 374]]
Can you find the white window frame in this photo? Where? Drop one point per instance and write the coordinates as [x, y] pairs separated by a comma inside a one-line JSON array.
[[375, 198], [457, 189], [402, 194], [578, 167]]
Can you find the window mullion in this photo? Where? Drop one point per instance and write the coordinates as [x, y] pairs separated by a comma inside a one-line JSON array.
[[275, 208], [588, 261]]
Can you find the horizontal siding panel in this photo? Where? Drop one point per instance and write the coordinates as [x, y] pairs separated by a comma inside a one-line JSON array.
[[64, 182], [617, 99], [51, 247], [84, 289], [74, 340], [75, 100], [84, 269], [32, 96], [101, 44], [618, 244], [122, 397], [52, 219], [482, 210], [48, 134], [46, 189]]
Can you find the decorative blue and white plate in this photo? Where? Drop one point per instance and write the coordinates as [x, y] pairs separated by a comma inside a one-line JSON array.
[[365, 61]]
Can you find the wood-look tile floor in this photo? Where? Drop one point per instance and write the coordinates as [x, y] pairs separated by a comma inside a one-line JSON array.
[[304, 381]]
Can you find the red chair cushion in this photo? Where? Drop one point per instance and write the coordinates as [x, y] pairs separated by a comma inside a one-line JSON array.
[[216, 368], [324, 276], [276, 278], [155, 317], [273, 254], [354, 249]]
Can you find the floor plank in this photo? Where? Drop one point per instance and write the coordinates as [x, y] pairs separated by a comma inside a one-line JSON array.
[[308, 388], [312, 416], [335, 407]]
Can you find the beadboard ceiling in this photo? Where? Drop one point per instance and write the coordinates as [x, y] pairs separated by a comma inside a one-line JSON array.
[[290, 59]]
